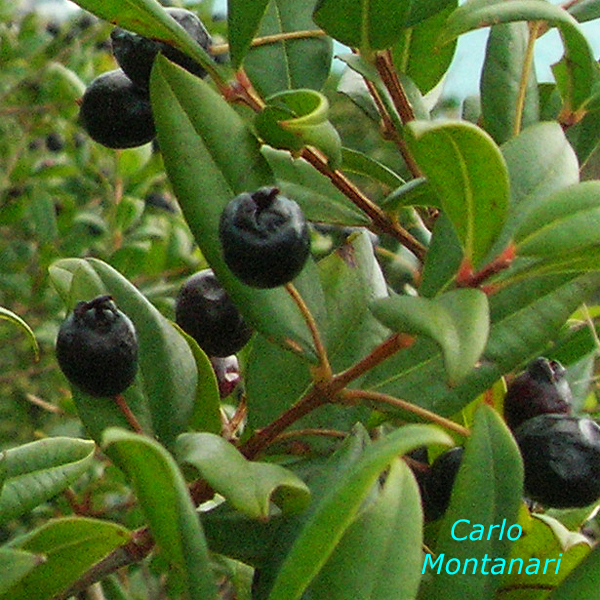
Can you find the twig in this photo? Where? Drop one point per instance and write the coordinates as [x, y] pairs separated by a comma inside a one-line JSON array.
[[128, 414]]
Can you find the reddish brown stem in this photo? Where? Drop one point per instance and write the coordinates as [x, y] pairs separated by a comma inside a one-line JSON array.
[[128, 414]]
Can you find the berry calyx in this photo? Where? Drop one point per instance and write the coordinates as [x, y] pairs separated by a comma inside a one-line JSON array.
[[135, 53], [116, 113], [265, 238], [540, 389], [204, 310], [97, 348]]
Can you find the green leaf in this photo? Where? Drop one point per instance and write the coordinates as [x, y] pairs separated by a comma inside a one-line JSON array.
[[413, 54], [38, 471], [243, 20], [467, 171], [389, 532], [505, 59], [367, 24], [425, 9], [340, 506], [316, 195], [250, 487], [13, 318], [165, 500], [14, 565], [70, 547], [354, 161], [577, 79], [165, 397], [491, 462], [223, 159], [585, 10], [458, 321], [416, 192], [294, 63], [582, 580], [148, 18], [566, 221], [297, 118]]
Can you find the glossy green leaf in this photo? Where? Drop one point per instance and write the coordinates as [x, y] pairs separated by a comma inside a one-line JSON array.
[[365, 24], [303, 62], [502, 108], [297, 118], [165, 397], [243, 20], [37, 471], [413, 54], [579, 68], [568, 220], [425, 9], [582, 581], [491, 462], [525, 317], [250, 487], [416, 192], [223, 159], [389, 532], [354, 161], [8, 315], [70, 547], [165, 500], [14, 565], [316, 195], [340, 506], [546, 539], [149, 18], [458, 321], [467, 171]]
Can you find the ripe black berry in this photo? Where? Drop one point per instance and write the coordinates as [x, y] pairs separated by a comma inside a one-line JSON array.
[[265, 238], [116, 113], [438, 483], [205, 311], [541, 389], [135, 53], [561, 458], [97, 348]]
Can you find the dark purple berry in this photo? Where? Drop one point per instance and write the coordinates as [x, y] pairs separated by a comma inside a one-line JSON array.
[[135, 53], [265, 238], [541, 389], [116, 113], [561, 459], [204, 311], [438, 483], [97, 348]]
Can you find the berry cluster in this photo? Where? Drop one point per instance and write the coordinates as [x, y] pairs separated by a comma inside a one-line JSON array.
[[115, 109], [560, 451]]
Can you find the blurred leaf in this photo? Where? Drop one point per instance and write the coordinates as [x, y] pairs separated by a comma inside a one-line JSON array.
[[170, 391], [250, 487], [578, 67], [468, 173], [14, 565], [165, 500], [38, 471], [491, 462], [243, 21], [367, 24], [565, 221], [505, 59], [148, 18], [304, 62], [70, 547], [223, 160], [416, 54], [297, 118], [8, 315], [585, 10], [43, 215], [389, 532], [458, 321], [339, 508]]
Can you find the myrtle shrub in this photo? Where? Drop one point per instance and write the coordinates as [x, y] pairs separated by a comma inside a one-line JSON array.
[[446, 254]]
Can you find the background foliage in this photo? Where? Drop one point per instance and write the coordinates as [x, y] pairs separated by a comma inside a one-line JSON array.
[[447, 253]]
